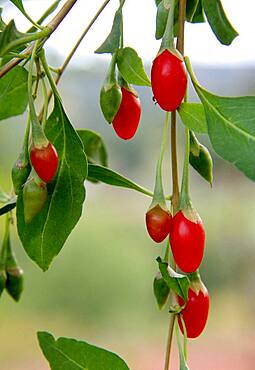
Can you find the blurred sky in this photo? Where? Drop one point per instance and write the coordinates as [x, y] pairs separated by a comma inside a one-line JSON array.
[[139, 24]]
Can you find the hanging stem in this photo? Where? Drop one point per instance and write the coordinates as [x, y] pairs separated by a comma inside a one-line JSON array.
[[185, 340], [184, 198], [175, 196], [49, 75], [159, 197], [39, 138]]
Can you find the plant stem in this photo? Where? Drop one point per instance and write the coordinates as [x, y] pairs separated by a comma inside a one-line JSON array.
[[52, 26], [169, 341], [72, 52], [168, 37], [175, 196]]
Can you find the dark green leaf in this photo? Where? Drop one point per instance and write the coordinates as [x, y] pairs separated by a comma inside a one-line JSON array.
[[2, 24], [13, 93], [161, 290], [44, 237], [199, 16], [71, 354], [219, 22], [11, 204], [131, 67], [112, 42], [193, 116], [176, 282], [191, 7], [94, 148], [110, 177], [200, 159], [231, 128], [161, 20], [157, 2]]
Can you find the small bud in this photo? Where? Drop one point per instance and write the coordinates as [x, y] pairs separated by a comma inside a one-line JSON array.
[[14, 282], [20, 172]]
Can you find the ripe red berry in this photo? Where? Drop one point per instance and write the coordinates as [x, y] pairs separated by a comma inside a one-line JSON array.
[[187, 242], [158, 222], [168, 80], [45, 161], [195, 313], [126, 121]]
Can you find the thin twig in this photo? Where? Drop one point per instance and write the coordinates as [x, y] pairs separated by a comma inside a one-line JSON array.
[[72, 52], [52, 26]]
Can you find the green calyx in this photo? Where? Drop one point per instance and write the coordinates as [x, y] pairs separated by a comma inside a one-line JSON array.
[[167, 42], [14, 274], [110, 94], [196, 283], [158, 195], [38, 136], [22, 168], [34, 197]]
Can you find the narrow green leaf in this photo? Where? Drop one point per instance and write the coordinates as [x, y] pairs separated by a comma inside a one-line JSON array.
[[220, 25], [71, 354], [2, 24], [46, 234], [11, 204], [94, 148], [161, 20], [177, 282], [183, 364], [13, 93], [131, 67], [200, 159], [193, 116], [19, 5], [112, 42], [191, 7], [4, 198], [110, 177], [199, 16], [161, 290]]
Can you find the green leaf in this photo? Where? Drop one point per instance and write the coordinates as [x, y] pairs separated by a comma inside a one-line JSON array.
[[199, 16], [110, 177], [193, 116], [183, 364], [13, 93], [191, 7], [200, 159], [112, 42], [161, 290], [9, 35], [231, 128], [176, 282], [71, 354], [2, 24], [131, 67], [19, 5], [44, 237], [161, 20], [11, 204], [94, 148], [219, 22]]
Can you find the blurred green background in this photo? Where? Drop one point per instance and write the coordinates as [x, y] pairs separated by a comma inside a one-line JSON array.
[[100, 286]]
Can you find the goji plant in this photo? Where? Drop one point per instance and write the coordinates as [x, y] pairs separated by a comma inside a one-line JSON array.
[[55, 159]]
